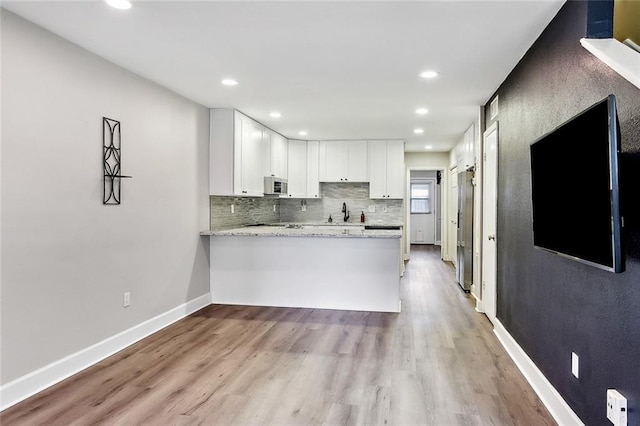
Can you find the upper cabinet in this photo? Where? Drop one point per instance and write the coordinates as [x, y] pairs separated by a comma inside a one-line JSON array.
[[303, 169], [242, 152], [343, 161], [276, 157], [386, 169], [313, 178], [297, 181], [464, 151], [236, 149]]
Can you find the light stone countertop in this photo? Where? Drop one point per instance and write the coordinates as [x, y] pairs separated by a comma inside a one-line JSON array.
[[333, 230]]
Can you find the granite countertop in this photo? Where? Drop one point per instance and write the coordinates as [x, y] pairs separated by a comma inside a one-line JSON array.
[[339, 230]]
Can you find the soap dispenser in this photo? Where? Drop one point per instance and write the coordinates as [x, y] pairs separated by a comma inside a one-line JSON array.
[[362, 217], [330, 219]]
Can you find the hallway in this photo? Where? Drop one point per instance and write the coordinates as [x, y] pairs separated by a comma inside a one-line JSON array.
[[436, 363]]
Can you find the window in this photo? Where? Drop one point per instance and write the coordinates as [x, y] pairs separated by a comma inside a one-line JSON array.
[[420, 198]]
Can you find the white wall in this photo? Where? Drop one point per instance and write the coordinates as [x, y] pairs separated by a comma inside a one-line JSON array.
[[66, 258], [426, 160]]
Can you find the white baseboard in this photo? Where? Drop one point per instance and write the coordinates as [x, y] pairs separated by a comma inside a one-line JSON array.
[[557, 406], [23, 387], [479, 304]]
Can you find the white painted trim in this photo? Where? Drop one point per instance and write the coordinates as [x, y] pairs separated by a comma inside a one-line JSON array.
[[619, 57], [23, 387], [557, 406], [444, 193]]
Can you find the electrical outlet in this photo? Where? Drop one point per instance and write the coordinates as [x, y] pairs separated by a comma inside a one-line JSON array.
[[384, 208], [575, 365], [616, 408], [233, 208], [126, 299], [274, 208], [372, 208]]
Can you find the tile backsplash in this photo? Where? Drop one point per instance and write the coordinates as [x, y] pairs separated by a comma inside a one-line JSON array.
[[247, 211], [354, 195], [252, 210]]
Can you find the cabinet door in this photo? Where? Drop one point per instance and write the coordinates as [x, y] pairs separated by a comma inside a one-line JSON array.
[[278, 156], [251, 164], [356, 161], [378, 169], [333, 161], [313, 183], [395, 169], [239, 128], [297, 179], [469, 151], [269, 163]]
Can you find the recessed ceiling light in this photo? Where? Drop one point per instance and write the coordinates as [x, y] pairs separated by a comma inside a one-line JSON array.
[[422, 111], [119, 4], [229, 82], [275, 114], [418, 131], [428, 147], [303, 133], [429, 74]]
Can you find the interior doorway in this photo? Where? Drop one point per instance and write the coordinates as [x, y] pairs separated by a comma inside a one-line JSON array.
[[426, 209], [489, 221]]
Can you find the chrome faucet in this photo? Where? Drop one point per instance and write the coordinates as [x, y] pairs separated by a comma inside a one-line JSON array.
[[345, 211]]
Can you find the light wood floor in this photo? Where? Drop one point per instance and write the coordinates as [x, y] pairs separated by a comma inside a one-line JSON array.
[[436, 363]]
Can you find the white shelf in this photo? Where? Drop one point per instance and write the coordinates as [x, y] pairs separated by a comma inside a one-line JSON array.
[[619, 57]]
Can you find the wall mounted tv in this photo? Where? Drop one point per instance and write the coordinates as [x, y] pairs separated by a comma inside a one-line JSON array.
[[575, 188]]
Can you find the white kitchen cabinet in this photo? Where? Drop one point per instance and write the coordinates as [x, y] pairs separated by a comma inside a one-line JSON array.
[[297, 174], [469, 158], [313, 182], [250, 162], [343, 161], [279, 155], [396, 173], [235, 154], [274, 154], [465, 155], [386, 169]]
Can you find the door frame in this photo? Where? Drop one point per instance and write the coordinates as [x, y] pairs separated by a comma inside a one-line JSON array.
[[435, 204], [490, 293], [444, 194]]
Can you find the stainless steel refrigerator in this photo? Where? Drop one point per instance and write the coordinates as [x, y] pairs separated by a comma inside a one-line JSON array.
[[464, 264]]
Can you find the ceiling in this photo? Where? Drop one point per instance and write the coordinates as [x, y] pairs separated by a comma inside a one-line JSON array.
[[339, 70]]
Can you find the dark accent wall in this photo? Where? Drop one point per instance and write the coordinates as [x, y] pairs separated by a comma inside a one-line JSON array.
[[600, 19], [552, 305]]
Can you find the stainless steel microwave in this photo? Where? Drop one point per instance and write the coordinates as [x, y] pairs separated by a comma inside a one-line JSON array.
[[275, 186]]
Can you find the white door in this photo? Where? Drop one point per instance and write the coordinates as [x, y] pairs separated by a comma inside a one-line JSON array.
[[452, 238], [489, 220]]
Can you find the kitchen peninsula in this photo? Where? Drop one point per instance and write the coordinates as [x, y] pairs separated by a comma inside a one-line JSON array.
[[309, 266]]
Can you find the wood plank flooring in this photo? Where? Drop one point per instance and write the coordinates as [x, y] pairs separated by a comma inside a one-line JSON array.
[[436, 363]]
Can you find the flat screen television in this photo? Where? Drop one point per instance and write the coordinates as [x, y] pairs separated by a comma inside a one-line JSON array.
[[575, 188]]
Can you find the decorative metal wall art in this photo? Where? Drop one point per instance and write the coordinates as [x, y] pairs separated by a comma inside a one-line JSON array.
[[111, 161]]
